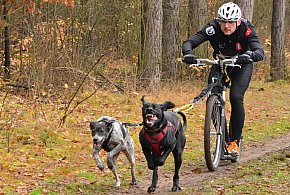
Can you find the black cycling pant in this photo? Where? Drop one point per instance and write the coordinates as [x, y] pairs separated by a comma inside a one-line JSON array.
[[240, 80]]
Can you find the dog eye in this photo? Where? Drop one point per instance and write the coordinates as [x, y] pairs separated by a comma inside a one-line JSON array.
[[99, 130]]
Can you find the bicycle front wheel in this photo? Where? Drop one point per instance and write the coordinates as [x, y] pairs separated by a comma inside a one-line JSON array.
[[213, 132]]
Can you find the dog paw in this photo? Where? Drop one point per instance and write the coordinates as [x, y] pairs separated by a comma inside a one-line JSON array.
[[175, 188], [117, 184], [151, 165], [159, 161], [101, 167], [151, 189], [133, 183]]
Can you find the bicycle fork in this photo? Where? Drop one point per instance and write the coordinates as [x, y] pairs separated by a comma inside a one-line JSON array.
[[225, 154], [223, 126]]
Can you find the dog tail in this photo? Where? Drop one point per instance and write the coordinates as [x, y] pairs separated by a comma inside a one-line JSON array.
[[184, 120]]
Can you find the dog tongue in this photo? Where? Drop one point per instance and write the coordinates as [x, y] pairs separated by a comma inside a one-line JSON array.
[[97, 145]]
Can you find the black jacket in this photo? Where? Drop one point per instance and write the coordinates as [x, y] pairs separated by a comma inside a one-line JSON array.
[[243, 39]]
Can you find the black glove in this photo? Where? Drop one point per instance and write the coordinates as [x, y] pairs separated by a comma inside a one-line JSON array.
[[189, 59], [244, 58]]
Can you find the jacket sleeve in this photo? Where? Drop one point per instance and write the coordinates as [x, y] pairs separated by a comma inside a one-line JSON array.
[[194, 41], [254, 44]]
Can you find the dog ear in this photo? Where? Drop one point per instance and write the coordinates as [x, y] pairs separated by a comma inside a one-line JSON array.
[[109, 123], [92, 125], [167, 105], [143, 99]]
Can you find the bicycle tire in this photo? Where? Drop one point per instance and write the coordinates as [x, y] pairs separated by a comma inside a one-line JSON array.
[[213, 134]]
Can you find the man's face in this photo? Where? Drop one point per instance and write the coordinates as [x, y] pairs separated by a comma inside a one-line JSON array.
[[229, 27]]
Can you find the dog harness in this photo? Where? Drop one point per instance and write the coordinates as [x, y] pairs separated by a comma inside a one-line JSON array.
[[155, 139]]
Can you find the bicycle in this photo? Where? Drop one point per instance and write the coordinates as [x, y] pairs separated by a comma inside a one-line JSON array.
[[216, 133]]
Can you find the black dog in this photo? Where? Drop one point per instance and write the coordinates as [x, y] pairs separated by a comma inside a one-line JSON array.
[[162, 133]]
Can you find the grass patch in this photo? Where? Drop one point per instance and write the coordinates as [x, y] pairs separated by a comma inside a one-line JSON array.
[[267, 175], [59, 160]]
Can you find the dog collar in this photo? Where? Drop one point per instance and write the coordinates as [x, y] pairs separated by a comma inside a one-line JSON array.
[[154, 131]]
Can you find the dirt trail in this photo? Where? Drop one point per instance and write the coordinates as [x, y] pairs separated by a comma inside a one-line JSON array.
[[189, 179]]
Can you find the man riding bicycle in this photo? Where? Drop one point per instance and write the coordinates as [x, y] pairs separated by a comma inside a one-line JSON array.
[[230, 35]]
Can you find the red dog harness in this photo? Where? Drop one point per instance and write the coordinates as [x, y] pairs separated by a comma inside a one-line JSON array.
[[156, 139]]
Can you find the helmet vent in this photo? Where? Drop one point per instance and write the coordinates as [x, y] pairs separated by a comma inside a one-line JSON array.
[[229, 12]]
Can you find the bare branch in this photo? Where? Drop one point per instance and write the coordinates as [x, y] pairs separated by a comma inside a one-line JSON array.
[[67, 112]]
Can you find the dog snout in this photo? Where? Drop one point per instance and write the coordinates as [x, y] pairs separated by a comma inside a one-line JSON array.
[[149, 110], [96, 141]]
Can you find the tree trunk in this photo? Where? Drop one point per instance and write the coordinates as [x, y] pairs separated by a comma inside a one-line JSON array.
[[277, 64], [170, 37], [151, 40], [247, 7], [7, 61], [198, 17]]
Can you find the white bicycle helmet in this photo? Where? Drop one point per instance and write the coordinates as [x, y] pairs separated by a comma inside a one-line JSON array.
[[229, 12]]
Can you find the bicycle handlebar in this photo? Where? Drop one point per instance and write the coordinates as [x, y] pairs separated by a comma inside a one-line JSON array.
[[226, 62]]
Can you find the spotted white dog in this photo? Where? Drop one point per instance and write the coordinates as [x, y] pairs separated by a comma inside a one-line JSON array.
[[112, 136]]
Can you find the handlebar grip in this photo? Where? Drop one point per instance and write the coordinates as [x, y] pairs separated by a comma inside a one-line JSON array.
[[196, 65]]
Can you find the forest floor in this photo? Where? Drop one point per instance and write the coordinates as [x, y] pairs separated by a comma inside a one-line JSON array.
[[39, 157]]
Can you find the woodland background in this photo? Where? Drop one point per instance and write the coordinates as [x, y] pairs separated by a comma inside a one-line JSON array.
[[66, 63], [52, 45]]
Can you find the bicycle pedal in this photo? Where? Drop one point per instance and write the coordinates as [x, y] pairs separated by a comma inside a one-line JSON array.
[[227, 157], [234, 154]]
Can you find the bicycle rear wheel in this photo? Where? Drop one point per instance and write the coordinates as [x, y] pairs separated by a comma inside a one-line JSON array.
[[213, 132]]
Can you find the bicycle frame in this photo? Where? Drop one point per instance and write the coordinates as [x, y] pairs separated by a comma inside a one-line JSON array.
[[216, 98]]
